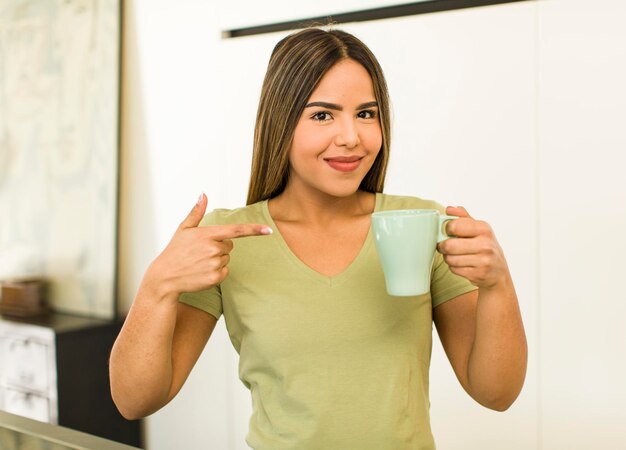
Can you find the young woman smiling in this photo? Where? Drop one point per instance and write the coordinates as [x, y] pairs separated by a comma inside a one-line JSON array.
[[331, 360]]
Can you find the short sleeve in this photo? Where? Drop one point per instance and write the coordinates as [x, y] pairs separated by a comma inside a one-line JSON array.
[[209, 300], [444, 285]]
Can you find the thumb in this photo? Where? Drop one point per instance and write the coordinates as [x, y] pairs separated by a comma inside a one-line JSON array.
[[196, 214]]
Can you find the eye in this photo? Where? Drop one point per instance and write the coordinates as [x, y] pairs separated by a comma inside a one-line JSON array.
[[367, 114], [321, 116]]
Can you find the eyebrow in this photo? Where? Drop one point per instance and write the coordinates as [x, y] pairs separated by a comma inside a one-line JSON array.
[[339, 107]]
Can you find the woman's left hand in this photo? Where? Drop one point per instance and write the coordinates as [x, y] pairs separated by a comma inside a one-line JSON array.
[[482, 332], [473, 251]]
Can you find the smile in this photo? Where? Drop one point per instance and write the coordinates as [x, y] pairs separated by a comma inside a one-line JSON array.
[[344, 163]]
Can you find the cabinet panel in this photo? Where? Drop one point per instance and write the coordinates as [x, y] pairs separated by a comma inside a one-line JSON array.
[[26, 362], [28, 371], [55, 369], [26, 403]]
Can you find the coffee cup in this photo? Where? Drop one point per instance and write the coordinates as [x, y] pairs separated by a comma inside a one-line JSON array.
[[406, 242]]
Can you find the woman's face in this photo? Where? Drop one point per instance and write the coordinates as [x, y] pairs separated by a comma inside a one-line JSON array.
[[338, 135]]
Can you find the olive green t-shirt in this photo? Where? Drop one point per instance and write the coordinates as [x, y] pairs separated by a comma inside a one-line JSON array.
[[331, 362]]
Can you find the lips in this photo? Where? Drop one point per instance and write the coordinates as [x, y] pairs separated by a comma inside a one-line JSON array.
[[344, 163]]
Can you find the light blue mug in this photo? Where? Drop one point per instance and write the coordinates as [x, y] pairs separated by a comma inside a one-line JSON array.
[[406, 241]]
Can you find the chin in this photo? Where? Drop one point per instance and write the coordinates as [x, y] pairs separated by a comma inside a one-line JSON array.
[[342, 192]]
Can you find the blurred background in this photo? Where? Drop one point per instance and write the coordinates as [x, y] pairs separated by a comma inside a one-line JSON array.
[[514, 110]]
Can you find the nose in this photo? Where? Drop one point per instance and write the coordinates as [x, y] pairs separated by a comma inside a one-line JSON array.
[[347, 134]]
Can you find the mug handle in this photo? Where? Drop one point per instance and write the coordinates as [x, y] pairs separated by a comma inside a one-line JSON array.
[[441, 234]]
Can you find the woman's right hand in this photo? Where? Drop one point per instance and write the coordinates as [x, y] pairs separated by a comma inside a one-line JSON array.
[[196, 258]]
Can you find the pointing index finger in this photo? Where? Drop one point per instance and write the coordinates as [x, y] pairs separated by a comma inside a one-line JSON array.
[[222, 232]]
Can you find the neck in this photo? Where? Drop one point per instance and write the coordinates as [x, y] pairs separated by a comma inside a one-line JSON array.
[[320, 210]]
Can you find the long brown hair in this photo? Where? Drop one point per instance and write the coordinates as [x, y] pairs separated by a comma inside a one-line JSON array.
[[298, 63]]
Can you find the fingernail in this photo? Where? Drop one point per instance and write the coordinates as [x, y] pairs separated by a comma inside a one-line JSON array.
[[200, 198], [266, 230]]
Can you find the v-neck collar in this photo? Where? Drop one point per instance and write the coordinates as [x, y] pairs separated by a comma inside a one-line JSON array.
[[312, 273]]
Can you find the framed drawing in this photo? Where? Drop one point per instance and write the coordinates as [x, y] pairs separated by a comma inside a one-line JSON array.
[[59, 141]]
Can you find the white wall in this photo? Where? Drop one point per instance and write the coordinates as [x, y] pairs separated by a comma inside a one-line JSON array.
[[169, 155], [513, 110], [582, 143]]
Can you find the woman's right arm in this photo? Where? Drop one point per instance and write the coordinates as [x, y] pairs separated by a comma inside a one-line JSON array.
[[158, 345], [161, 338]]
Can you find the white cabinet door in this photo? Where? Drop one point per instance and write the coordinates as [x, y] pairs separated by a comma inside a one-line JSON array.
[[25, 362], [27, 404], [582, 106], [462, 86], [28, 371]]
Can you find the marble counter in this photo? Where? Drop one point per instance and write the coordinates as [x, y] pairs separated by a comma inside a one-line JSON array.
[[20, 433]]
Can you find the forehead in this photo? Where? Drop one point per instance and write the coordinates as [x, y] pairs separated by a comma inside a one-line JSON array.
[[346, 78]]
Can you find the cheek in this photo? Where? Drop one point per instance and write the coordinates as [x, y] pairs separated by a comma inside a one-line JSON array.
[[309, 142], [372, 140]]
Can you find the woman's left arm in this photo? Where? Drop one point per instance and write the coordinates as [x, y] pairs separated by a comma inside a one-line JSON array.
[[482, 331]]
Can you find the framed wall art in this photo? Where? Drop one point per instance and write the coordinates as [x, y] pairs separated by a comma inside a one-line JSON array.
[[59, 148]]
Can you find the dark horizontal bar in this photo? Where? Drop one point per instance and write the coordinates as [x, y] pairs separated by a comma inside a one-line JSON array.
[[386, 12]]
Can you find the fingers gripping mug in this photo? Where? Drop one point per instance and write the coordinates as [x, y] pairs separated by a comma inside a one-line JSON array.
[[406, 241]]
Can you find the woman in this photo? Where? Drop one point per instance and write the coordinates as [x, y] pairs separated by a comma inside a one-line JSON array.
[[332, 362]]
